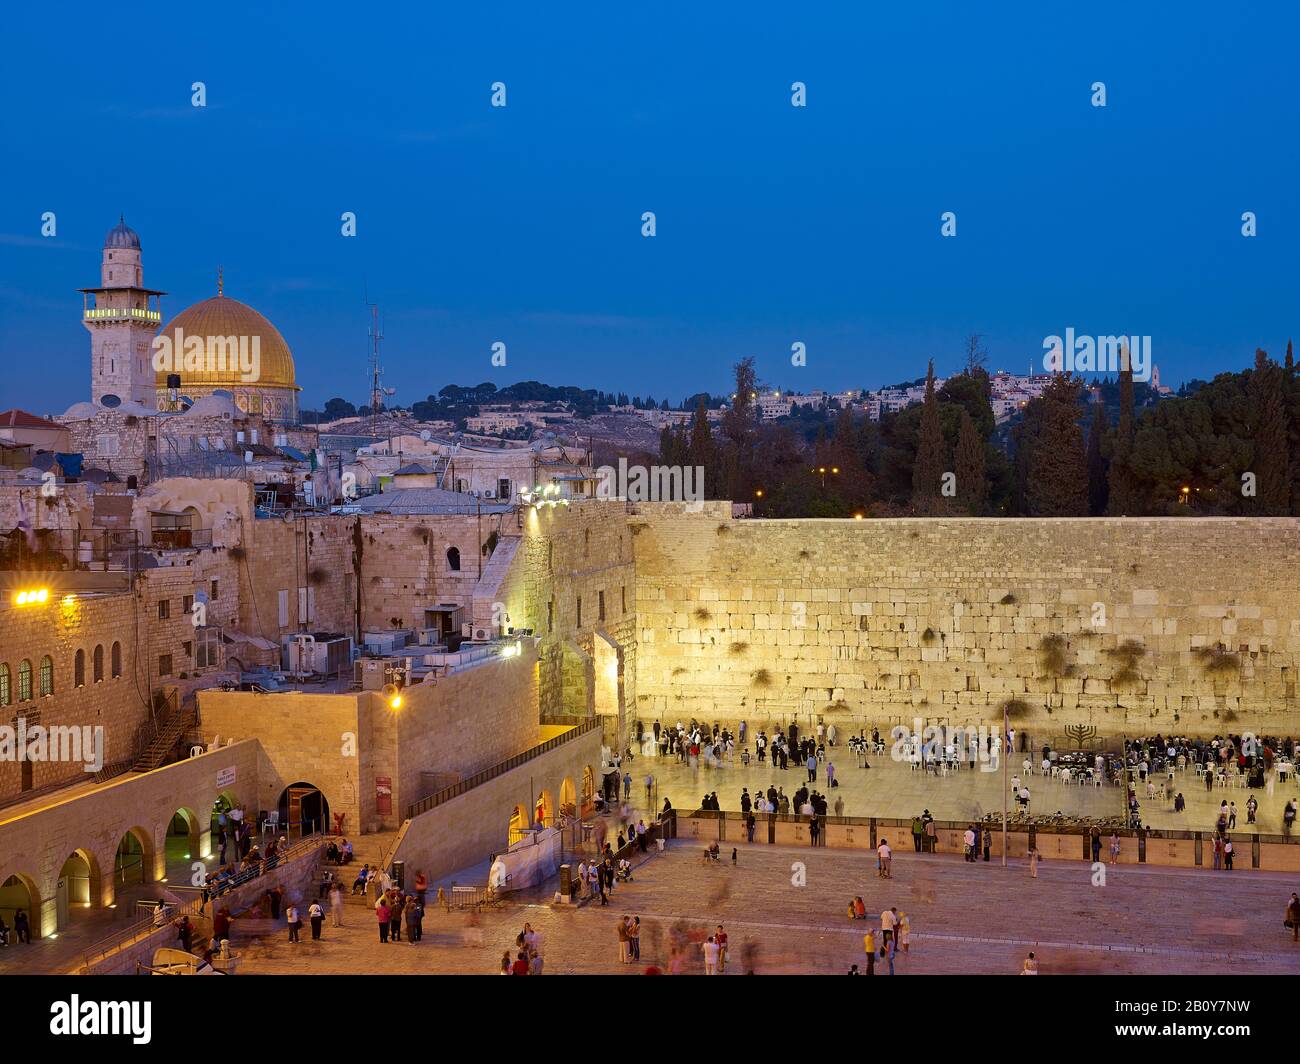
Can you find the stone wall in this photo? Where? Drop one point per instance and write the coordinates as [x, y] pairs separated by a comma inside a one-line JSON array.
[[571, 579], [119, 704], [463, 832], [342, 743], [35, 844], [1131, 626]]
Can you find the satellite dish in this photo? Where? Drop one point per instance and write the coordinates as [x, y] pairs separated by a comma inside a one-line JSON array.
[[425, 434], [111, 401], [289, 517]]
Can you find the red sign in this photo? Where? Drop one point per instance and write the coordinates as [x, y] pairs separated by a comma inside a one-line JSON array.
[[384, 795]]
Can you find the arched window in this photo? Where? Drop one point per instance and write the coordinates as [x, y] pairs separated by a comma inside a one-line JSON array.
[[79, 669], [25, 681], [117, 660], [47, 676], [99, 663], [453, 559], [6, 691]]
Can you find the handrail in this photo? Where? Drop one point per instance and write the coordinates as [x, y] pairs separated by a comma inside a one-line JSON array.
[[142, 929], [457, 789]]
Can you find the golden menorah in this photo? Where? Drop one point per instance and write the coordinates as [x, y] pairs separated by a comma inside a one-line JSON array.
[[1081, 734]]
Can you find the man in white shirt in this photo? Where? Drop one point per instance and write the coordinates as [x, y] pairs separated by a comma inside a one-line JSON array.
[[888, 921], [711, 951]]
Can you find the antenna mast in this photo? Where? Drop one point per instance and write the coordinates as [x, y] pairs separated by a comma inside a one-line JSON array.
[[376, 372]]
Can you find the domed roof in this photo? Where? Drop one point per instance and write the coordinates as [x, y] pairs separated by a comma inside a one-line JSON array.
[[223, 316], [122, 236]]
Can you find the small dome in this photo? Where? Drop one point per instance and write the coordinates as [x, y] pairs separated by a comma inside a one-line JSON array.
[[122, 236]]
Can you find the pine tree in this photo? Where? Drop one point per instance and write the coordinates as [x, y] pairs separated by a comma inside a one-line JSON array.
[[931, 452], [1058, 465], [972, 484], [1098, 489]]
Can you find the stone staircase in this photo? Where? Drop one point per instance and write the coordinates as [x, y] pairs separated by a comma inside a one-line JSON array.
[[366, 849]]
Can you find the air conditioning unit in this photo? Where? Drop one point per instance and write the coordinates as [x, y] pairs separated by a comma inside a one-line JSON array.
[[321, 654], [489, 494], [477, 633], [384, 642], [374, 674]]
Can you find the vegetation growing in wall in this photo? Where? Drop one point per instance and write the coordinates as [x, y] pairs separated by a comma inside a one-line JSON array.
[[1052, 656], [1126, 656], [738, 648], [1016, 709], [927, 636], [1008, 599], [762, 678], [237, 554], [1218, 662], [702, 615]]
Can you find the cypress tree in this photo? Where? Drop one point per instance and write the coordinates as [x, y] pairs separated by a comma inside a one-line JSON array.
[[1270, 462], [931, 452], [1123, 494], [1098, 489], [972, 485], [1058, 465]]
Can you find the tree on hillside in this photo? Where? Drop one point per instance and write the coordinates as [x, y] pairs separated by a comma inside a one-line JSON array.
[[1058, 467], [972, 483], [931, 452], [1098, 489], [1124, 496], [1270, 461]]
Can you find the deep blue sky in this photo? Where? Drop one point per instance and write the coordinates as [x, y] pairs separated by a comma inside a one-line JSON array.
[[776, 224]]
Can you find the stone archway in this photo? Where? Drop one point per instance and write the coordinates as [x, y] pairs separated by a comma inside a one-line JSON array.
[[19, 892], [303, 809], [568, 797], [79, 886], [544, 810], [518, 827], [183, 842], [133, 862]]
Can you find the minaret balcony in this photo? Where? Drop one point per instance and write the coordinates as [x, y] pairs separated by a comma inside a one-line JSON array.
[[115, 314]]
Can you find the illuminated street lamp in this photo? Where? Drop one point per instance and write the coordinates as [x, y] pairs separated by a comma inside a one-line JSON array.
[[32, 597]]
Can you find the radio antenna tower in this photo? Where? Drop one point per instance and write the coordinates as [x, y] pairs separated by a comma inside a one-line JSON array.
[[376, 371]]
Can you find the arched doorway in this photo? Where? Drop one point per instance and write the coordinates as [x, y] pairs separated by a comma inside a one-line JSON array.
[[78, 886], [303, 810], [19, 893], [568, 797], [133, 862], [518, 827], [184, 844], [221, 807]]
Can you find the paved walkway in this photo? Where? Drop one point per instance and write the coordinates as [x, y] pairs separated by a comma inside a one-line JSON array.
[[892, 789], [965, 918]]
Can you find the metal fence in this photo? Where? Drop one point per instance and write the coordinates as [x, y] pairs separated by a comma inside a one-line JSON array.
[[469, 783]]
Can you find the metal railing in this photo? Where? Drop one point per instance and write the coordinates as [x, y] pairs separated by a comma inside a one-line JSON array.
[[64, 549], [470, 782], [135, 932], [140, 930]]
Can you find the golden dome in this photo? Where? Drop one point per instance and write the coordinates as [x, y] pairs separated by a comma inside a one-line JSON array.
[[223, 316]]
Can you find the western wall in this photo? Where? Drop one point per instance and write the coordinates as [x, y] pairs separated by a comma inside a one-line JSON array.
[[1129, 626]]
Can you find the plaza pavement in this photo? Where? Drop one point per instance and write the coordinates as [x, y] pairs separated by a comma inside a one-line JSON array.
[[966, 918], [893, 790]]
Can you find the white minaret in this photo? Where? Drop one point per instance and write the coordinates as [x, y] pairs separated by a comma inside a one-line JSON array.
[[122, 319]]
